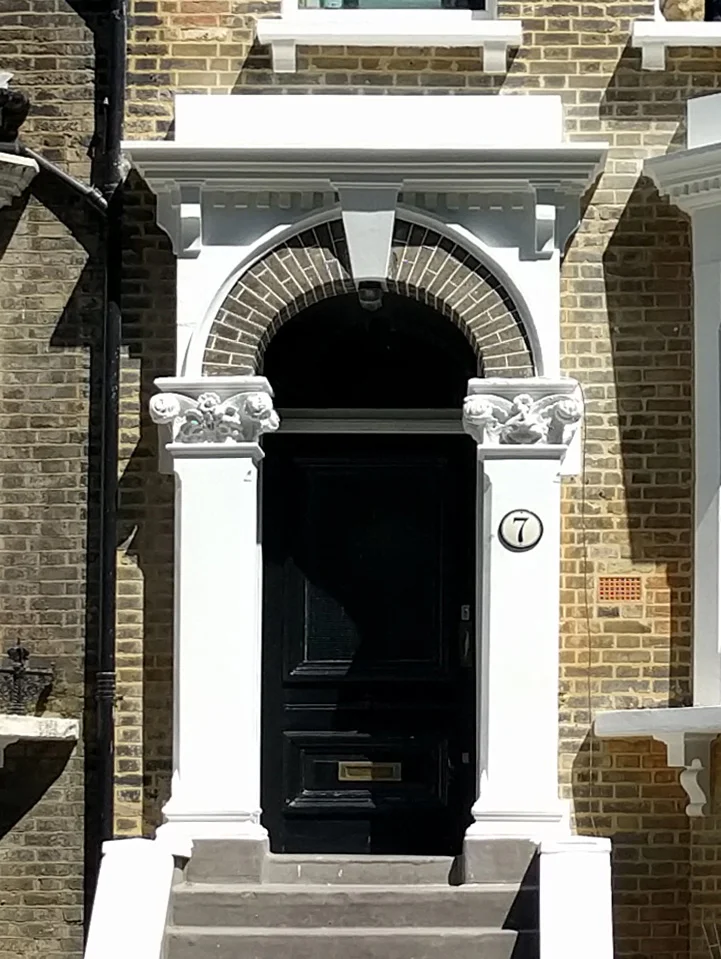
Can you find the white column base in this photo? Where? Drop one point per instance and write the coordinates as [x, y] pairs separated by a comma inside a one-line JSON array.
[[532, 824], [195, 816], [190, 827]]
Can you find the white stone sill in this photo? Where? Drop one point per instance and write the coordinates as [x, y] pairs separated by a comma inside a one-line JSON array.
[[16, 173], [639, 723], [389, 28], [686, 731], [15, 729], [654, 37]]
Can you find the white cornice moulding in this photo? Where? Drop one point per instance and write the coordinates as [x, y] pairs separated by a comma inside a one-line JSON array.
[[654, 37], [689, 178], [14, 729], [369, 154], [310, 168], [389, 28], [16, 174], [686, 731], [555, 178]]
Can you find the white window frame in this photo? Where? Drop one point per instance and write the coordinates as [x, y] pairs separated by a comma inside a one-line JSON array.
[[481, 29]]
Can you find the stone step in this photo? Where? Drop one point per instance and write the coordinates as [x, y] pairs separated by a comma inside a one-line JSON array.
[[431, 943], [338, 906], [361, 870]]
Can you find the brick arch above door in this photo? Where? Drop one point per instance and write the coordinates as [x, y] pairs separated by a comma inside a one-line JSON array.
[[313, 265]]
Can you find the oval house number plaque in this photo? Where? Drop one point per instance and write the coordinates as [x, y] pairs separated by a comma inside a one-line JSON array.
[[520, 530]]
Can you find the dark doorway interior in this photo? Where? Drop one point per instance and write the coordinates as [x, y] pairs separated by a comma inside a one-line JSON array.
[[337, 354], [368, 542]]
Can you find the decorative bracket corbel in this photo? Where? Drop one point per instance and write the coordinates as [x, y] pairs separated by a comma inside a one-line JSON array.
[[180, 214], [368, 211], [545, 233], [687, 733], [691, 752], [557, 217]]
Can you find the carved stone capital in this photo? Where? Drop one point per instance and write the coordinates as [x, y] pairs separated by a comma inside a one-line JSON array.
[[522, 412], [239, 410]]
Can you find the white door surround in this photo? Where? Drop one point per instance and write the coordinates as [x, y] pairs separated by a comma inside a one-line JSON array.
[[273, 203], [210, 431]]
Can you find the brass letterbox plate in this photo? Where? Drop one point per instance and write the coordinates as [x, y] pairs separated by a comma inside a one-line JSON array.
[[369, 772]]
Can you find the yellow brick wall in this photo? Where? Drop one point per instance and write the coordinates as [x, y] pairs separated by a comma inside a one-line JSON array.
[[627, 336]]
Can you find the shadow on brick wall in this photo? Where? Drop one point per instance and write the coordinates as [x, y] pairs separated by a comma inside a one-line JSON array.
[[640, 523], [96, 20], [145, 500], [647, 270], [79, 325], [329, 70], [634, 95], [29, 772], [10, 218], [623, 789], [146, 504]]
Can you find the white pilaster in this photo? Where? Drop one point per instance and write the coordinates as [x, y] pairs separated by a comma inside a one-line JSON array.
[[522, 430], [213, 427], [707, 385]]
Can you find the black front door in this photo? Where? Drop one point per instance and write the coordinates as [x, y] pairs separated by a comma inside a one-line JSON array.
[[368, 696]]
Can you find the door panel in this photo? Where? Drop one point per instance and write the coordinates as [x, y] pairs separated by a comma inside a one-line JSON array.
[[368, 707]]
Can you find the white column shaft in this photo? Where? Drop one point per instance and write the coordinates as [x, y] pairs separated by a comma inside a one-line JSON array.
[[518, 789], [218, 645]]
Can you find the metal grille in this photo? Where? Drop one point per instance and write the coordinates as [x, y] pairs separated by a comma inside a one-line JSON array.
[[619, 589]]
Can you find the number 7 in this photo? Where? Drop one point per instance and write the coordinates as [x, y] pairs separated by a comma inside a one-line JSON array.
[[522, 520]]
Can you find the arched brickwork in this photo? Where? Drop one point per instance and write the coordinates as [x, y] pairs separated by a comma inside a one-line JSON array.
[[314, 265]]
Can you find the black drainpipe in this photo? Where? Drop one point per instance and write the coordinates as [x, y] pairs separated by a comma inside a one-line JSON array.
[[108, 201], [112, 190]]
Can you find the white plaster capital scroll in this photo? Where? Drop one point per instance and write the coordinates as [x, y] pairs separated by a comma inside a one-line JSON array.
[[212, 416], [522, 412], [209, 418]]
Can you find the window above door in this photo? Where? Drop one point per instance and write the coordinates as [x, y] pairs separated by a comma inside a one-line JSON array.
[[390, 23]]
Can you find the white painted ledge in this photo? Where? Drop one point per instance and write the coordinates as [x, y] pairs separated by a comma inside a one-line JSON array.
[[687, 732], [16, 173], [15, 729], [654, 37], [389, 28]]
